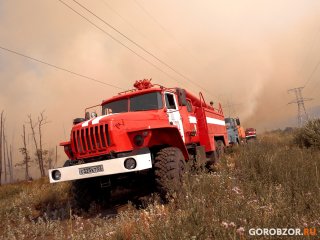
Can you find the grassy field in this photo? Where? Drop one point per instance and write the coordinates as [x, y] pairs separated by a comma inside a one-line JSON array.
[[270, 183]]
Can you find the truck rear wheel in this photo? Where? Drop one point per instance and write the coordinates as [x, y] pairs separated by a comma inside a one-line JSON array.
[[219, 149], [169, 168]]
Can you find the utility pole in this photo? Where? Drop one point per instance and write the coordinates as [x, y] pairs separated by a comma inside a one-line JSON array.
[[300, 103]]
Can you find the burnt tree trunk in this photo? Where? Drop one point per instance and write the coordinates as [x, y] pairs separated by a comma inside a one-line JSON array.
[[32, 126], [38, 145], [26, 155], [1, 133], [26, 158], [41, 121], [10, 164], [9, 161], [4, 153]]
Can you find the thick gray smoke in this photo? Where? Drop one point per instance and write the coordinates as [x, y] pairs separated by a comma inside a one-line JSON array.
[[245, 53]]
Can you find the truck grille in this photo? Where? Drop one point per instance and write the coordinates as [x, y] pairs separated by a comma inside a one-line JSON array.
[[91, 139]]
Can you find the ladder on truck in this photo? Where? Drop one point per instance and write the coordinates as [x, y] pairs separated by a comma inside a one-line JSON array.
[[206, 138]]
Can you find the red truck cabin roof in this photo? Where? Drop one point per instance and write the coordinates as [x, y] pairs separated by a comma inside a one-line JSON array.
[[131, 93]]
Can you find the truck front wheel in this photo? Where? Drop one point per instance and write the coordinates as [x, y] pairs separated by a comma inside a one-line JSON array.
[[86, 191], [169, 167]]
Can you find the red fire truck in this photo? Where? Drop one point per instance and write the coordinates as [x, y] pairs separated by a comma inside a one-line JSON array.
[[150, 129], [251, 133]]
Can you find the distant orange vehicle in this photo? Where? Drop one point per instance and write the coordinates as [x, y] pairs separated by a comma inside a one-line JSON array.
[[241, 132]]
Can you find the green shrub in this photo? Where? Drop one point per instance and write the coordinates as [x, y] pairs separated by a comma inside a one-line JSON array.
[[309, 135]]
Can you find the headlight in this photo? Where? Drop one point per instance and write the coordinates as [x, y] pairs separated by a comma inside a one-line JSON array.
[[56, 175], [130, 163], [138, 140]]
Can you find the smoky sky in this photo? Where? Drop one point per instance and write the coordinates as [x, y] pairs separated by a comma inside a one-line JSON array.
[[245, 54]]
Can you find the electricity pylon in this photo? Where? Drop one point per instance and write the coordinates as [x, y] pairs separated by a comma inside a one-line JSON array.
[[300, 102]]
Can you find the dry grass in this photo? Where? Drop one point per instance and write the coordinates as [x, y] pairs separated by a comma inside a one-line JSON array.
[[269, 183]]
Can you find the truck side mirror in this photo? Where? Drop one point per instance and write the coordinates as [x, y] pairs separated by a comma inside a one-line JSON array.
[[182, 99], [87, 116], [94, 115]]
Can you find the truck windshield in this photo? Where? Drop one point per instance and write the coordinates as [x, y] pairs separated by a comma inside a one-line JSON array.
[[144, 102], [227, 120], [115, 107]]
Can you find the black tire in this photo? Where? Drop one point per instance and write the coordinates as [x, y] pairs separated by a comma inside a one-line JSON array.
[[211, 161], [86, 191], [67, 163], [219, 149], [169, 168]]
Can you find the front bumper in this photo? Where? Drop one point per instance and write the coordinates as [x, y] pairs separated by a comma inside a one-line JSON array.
[[251, 136], [100, 168]]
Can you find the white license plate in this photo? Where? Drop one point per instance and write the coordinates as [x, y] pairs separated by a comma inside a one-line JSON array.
[[90, 170]]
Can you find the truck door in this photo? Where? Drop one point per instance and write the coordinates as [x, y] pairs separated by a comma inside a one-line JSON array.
[[189, 121], [173, 112]]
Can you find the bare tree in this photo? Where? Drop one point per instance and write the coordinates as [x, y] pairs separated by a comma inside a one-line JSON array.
[[11, 165], [9, 160], [1, 133], [42, 120], [5, 154], [4, 151], [26, 157], [46, 159], [49, 157]]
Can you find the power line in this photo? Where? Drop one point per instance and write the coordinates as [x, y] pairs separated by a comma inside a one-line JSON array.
[[312, 44], [129, 39], [165, 30], [160, 25], [60, 68], [153, 18], [314, 88], [116, 40], [123, 19], [312, 73], [143, 35], [126, 37], [132, 41], [131, 25]]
